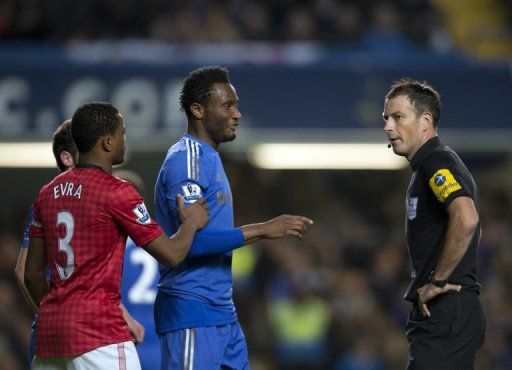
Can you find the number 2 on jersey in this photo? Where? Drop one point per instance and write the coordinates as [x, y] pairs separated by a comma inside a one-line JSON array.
[[142, 291], [66, 218]]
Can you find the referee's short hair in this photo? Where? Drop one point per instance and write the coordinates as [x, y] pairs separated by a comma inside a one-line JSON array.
[[422, 96]]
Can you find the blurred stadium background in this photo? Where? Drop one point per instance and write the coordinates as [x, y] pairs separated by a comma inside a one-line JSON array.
[[312, 73]]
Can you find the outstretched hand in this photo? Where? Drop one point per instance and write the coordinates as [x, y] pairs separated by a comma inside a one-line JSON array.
[[198, 213], [284, 225], [429, 291]]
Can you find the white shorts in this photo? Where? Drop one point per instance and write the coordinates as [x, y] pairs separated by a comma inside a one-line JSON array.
[[122, 356]]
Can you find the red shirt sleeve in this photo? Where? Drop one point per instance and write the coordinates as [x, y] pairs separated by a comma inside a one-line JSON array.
[[128, 209]]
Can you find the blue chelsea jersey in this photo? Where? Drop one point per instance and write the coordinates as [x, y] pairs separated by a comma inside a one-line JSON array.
[[199, 291], [138, 290]]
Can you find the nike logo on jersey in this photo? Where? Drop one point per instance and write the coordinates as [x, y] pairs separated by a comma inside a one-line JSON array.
[[224, 198]]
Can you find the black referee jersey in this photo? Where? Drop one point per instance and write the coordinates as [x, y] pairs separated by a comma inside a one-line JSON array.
[[438, 177]]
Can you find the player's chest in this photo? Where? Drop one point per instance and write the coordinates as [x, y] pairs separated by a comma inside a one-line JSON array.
[[219, 191]]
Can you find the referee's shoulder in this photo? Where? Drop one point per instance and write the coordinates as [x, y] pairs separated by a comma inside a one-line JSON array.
[[439, 155]]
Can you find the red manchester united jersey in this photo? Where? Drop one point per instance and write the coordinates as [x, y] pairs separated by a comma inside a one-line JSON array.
[[85, 216]]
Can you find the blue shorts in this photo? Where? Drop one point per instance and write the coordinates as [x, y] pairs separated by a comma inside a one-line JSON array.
[[205, 348], [149, 352]]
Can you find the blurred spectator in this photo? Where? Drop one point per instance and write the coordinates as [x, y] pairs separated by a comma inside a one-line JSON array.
[[386, 32], [362, 355], [348, 23], [254, 21], [219, 27], [390, 25], [298, 315], [299, 25]]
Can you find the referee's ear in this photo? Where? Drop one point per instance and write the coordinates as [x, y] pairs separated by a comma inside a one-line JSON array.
[[427, 121]]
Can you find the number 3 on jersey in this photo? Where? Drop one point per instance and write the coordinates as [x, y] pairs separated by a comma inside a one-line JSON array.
[[66, 218]]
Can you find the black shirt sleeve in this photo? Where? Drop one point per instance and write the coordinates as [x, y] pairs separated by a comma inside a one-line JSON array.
[[444, 177]]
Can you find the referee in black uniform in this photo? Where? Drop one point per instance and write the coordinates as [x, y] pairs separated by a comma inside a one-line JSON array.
[[446, 324]]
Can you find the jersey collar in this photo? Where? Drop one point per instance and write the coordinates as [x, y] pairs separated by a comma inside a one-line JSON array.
[[88, 165], [202, 143], [424, 150]]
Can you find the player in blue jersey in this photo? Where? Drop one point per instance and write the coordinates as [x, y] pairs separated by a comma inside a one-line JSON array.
[[66, 156], [194, 311], [139, 287]]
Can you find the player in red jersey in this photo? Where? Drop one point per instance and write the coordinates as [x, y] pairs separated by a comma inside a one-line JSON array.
[[66, 156], [81, 221]]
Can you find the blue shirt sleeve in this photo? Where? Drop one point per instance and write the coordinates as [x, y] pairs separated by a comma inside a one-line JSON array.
[[192, 185], [208, 242], [30, 219]]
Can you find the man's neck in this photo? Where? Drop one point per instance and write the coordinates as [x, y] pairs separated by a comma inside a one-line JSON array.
[[91, 159], [425, 139], [198, 131]]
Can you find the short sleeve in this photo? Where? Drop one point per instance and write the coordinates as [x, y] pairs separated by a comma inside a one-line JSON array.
[[129, 211], [35, 228], [188, 174], [444, 177]]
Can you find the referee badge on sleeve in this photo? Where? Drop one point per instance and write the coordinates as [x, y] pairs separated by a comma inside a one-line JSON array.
[[443, 183], [191, 192], [412, 208]]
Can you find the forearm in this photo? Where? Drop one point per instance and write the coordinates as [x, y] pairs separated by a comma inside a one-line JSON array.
[[253, 233], [20, 277], [183, 240], [208, 242], [457, 240], [26, 294], [126, 315], [37, 287]]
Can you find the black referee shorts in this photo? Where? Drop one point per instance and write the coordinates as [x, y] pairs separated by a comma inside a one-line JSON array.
[[449, 338]]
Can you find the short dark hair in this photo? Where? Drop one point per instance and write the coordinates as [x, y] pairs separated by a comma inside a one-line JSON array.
[[198, 86], [63, 141], [421, 94], [91, 121]]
